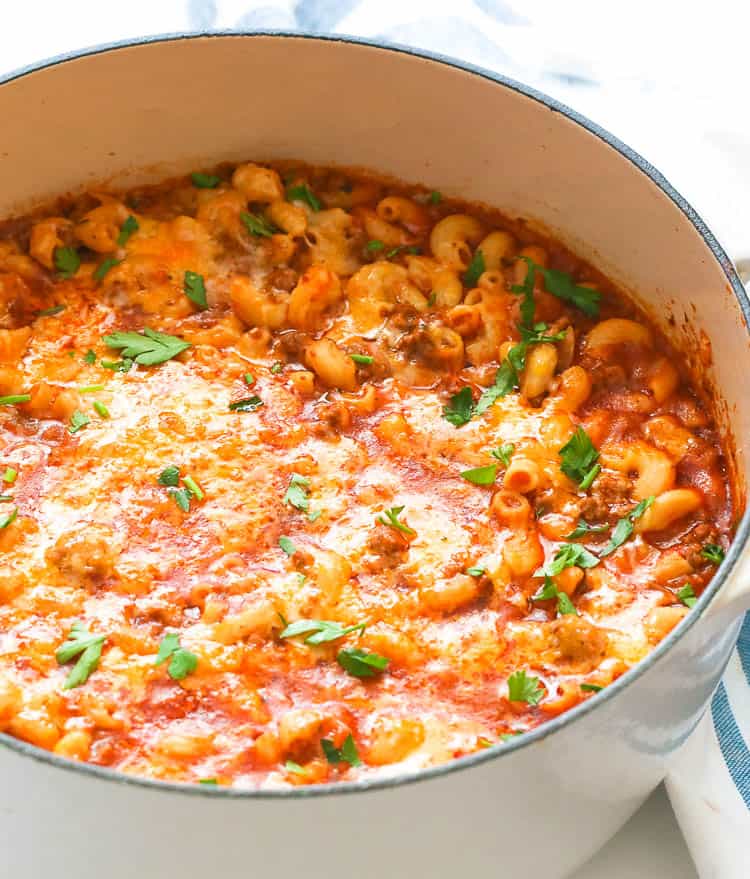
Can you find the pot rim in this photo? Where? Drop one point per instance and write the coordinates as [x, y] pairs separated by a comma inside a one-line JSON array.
[[584, 708]]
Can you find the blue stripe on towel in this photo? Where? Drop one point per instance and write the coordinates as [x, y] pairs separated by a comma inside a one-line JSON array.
[[743, 647], [732, 744]]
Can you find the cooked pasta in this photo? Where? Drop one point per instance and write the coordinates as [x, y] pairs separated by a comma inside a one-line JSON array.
[[309, 476]]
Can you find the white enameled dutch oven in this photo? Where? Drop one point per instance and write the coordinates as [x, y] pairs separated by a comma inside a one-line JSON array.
[[537, 806]]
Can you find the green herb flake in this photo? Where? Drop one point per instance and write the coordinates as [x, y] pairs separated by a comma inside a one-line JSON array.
[[568, 555], [392, 521], [105, 266], [182, 662], [294, 768], [475, 572], [296, 493], [460, 408], [504, 453], [713, 553], [246, 404], [591, 688], [10, 475], [435, 197], [249, 379], [205, 181], [361, 663], [50, 312], [287, 546], [314, 515], [126, 230], [88, 649], [687, 596], [77, 421], [578, 459], [9, 518], [194, 288], [364, 359], [181, 496], [100, 409], [123, 365], [277, 368], [192, 486], [90, 389], [258, 225], [549, 591], [583, 528], [211, 781], [402, 248], [475, 269], [14, 399], [169, 476], [67, 261], [302, 192], [147, 348], [374, 245], [624, 527], [89, 357], [524, 688], [319, 631], [481, 475]]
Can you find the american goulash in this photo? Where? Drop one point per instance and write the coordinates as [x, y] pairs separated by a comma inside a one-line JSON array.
[[311, 477]]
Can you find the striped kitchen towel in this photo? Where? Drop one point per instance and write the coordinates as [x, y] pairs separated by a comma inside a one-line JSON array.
[[709, 785]]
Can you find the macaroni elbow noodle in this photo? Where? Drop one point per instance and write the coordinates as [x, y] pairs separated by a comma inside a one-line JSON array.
[[309, 476]]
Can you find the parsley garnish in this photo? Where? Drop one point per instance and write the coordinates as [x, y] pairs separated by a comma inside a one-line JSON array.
[[195, 289], [296, 493], [277, 368], [591, 688], [123, 365], [9, 519], [104, 266], [287, 546], [713, 553], [374, 245], [687, 596], [89, 357], [302, 192], [100, 409], [126, 230], [182, 662], [583, 528], [460, 408], [346, 754], [49, 312], [481, 475], [77, 421], [475, 269], [208, 781], [475, 572], [192, 486], [10, 475], [181, 496], [14, 399], [392, 521], [402, 248], [567, 555], [549, 591], [504, 453], [169, 476], [578, 459], [524, 688], [246, 404], [291, 766], [147, 348], [562, 286], [624, 527], [90, 389], [67, 261], [205, 181], [364, 359], [249, 378], [361, 663], [258, 225], [322, 631], [314, 515], [88, 649], [435, 197]]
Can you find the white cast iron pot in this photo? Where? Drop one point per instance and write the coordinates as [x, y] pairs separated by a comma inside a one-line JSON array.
[[537, 806]]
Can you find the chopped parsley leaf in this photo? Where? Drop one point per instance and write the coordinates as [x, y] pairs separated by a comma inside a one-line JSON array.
[[192, 486], [561, 285], [194, 288], [435, 197], [147, 348], [314, 515], [374, 245], [169, 476], [277, 368], [77, 421], [591, 688], [205, 181], [89, 357], [504, 453], [319, 631], [182, 662], [361, 663], [567, 555], [713, 553], [364, 359], [302, 192], [10, 475], [392, 521], [549, 591], [578, 459], [460, 408], [481, 475], [524, 688], [246, 404], [123, 365], [296, 493], [249, 378], [346, 754], [258, 225], [104, 266], [67, 261], [583, 528], [100, 409], [287, 546], [49, 312], [474, 270], [90, 389], [8, 519], [687, 596], [295, 768], [475, 572], [88, 649], [208, 781], [126, 230], [624, 527], [14, 399], [402, 248], [181, 496]]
